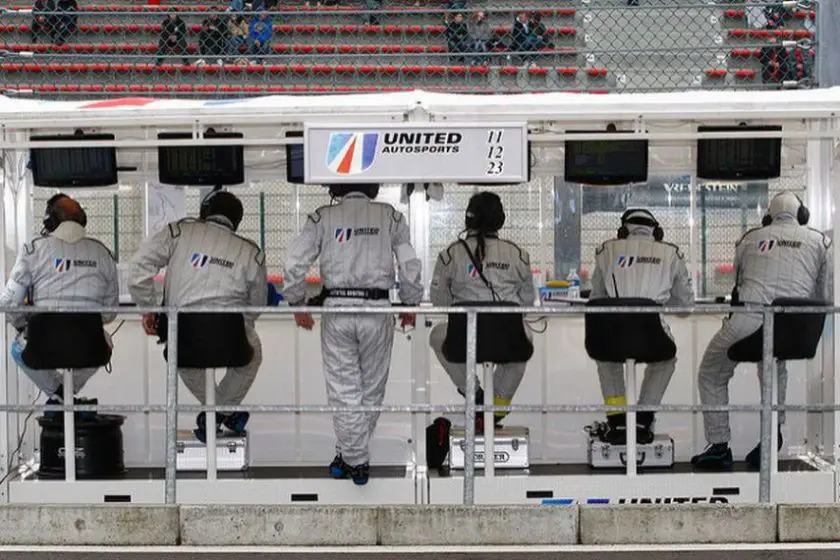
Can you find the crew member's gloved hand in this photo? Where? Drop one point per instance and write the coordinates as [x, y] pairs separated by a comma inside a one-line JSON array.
[[150, 323], [408, 319]]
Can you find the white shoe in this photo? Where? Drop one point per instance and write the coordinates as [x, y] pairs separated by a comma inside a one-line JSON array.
[[200, 62], [220, 62]]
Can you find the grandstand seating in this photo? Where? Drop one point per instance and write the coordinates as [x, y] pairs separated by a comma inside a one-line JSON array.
[[332, 50]]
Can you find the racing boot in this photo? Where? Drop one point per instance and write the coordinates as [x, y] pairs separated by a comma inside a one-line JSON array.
[[86, 415], [236, 422], [616, 430], [201, 423], [360, 474], [54, 415], [753, 458], [717, 457], [644, 427], [339, 469]]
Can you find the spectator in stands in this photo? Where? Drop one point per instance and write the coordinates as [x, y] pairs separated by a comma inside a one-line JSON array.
[[173, 37], [236, 6], [238, 30], [457, 35], [42, 19], [456, 4], [372, 5], [524, 37], [213, 39], [259, 35], [541, 32], [65, 20], [481, 36]]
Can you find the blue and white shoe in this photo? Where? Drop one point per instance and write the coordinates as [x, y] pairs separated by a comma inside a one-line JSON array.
[[201, 429], [236, 422], [339, 469], [360, 474]]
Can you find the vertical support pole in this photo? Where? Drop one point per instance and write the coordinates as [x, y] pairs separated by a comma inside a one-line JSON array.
[[469, 427], [210, 421], [768, 367], [171, 404], [69, 429], [489, 423], [117, 227], [630, 391], [703, 249], [262, 220]]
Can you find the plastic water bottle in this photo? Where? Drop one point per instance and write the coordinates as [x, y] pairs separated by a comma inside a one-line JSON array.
[[574, 284]]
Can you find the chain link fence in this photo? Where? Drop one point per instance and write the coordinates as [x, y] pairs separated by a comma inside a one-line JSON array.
[[483, 47]]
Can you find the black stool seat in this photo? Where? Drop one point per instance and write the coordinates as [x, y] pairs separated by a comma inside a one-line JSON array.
[[99, 447], [618, 337], [500, 337], [795, 335], [65, 341], [210, 340]]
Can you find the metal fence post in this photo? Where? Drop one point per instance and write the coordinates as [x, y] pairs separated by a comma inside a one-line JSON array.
[[768, 368], [171, 403], [469, 414]]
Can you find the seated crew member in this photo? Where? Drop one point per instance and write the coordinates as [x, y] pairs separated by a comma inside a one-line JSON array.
[[207, 264], [482, 267], [783, 258], [356, 241], [638, 265], [62, 267]]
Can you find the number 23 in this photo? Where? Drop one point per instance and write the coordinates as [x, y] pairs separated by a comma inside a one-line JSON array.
[[495, 167]]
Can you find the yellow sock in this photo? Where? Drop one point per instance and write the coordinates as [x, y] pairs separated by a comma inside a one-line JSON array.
[[615, 401], [499, 401]]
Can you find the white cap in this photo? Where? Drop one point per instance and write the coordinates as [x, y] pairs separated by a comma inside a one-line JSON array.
[[784, 203], [639, 214]]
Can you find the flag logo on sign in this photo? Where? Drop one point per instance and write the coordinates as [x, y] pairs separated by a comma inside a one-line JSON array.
[[351, 153]]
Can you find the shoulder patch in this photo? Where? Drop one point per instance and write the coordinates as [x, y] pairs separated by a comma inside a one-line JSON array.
[[826, 240], [29, 247], [676, 247], [446, 255], [746, 233], [96, 241], [316, 215], [523, 255]]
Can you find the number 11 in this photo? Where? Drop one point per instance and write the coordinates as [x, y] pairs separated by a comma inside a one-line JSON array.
[[495, 136]]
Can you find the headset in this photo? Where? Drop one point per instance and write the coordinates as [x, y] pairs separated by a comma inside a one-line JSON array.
[[51, 217], [803, 215], [624, 231], [485, 213]]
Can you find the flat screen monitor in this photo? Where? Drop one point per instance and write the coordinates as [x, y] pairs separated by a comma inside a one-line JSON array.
[[294, 159], [606, 162], [739, 159], [74, 166], [201, 165]]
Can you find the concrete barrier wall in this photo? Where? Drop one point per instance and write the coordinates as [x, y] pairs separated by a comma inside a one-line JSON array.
[[223, 525]]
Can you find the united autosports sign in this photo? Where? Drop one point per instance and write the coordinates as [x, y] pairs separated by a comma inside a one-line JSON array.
[[462, 153]]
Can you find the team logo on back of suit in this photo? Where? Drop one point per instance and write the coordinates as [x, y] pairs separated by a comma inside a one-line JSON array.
[[62, 265]]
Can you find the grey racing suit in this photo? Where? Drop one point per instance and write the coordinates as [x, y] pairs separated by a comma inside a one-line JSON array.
[[356, 241], [783, 259], [640, 267], [207, 264], [64, 268], [508, 269]]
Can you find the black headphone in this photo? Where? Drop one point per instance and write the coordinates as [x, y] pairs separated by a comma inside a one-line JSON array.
[[803, 215], [204, 207], [51, 217], [624, 231], [485, 213]]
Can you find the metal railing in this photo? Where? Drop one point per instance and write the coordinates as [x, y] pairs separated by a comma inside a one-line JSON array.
[[172, 407], [595, 47]]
